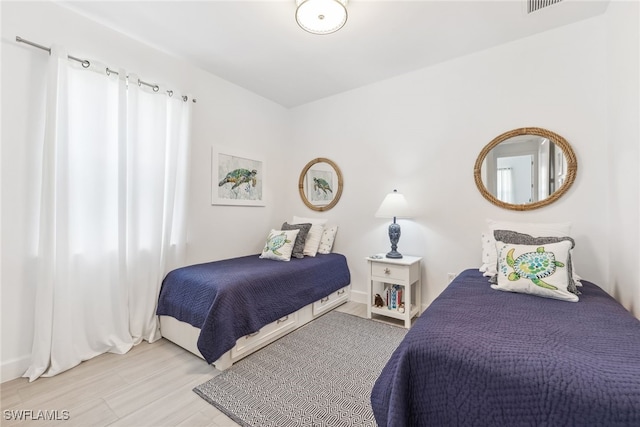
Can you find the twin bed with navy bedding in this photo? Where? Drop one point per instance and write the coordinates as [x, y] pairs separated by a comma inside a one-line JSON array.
[[225, 310], [478, 357], [543, 352]]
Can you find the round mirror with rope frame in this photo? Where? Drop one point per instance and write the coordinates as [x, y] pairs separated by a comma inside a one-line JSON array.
[[320, 184]]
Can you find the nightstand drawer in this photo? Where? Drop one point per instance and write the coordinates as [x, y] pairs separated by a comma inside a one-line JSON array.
[[390, 272]]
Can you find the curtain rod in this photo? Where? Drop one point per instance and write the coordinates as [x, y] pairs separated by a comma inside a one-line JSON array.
[[85, 63]]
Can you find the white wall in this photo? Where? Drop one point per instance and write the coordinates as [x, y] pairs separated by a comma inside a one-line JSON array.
[[421, 133], [623, 71], [224, 115]]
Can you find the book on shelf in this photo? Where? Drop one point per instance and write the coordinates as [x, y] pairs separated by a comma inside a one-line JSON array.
[[393, 296]]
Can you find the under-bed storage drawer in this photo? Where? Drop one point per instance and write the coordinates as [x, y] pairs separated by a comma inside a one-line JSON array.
[[331, 301], [273, 330]]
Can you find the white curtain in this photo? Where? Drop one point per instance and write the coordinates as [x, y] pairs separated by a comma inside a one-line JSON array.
[[112, 220], [505, 185]]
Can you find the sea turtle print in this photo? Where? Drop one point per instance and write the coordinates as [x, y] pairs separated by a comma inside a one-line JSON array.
[[533, 266], [275, 242], [238, 177], [319, 183]]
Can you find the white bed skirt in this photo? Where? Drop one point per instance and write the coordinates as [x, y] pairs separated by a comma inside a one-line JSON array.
[[186, 336]]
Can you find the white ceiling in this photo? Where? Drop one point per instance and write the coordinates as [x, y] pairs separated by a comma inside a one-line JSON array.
[[259, 46]]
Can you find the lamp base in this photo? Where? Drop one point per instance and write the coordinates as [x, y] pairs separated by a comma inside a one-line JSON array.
[[394, 236], [394, 254]]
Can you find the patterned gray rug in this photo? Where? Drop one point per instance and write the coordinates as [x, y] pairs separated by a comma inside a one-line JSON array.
[[319, 375]]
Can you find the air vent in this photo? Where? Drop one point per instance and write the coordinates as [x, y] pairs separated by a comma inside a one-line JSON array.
[[533, 5]]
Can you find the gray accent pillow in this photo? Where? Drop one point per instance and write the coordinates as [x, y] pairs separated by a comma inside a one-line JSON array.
[[515, 238], [301, 238]]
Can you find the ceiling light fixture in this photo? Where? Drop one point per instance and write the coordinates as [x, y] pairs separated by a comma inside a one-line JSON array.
[[321, 16]]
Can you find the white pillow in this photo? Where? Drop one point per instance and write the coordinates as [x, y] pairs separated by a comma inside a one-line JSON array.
[[489, 253], [315, 233], [328, 237], [279, 245], [535, 270]]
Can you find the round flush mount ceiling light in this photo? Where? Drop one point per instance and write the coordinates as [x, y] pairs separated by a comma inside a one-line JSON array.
[[321, 16]]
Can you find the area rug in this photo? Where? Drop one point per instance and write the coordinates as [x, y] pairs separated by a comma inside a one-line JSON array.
[[319, 375]]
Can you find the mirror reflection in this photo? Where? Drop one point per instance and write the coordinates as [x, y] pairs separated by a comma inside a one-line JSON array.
[[525, 168], [320, 184]]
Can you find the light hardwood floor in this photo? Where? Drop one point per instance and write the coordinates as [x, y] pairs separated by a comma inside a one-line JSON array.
[[151, 385]]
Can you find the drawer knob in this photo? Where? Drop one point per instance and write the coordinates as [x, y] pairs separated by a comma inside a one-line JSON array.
[[341, 292], [252, 335], [387, 271], [324, 299]]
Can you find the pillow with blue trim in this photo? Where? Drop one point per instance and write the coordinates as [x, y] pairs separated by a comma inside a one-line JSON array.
[[279, 245], [539, 270]]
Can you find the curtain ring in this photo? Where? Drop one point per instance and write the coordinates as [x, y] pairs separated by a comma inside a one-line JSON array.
[[86, 64], [139, 82], [185, 98], [170, 92], [108, 71], [156, 88]]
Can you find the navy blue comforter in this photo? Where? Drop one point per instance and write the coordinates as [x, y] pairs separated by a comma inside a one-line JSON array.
[[481, 357], [232, 298]]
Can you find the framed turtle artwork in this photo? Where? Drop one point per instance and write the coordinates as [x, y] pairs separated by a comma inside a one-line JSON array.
[[236, 179], [320, 184]]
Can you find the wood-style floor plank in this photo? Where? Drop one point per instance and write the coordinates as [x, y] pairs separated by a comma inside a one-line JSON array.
[[151, 385]]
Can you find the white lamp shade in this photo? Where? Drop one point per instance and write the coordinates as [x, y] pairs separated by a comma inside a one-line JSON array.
[[394, 205], [321, 16]]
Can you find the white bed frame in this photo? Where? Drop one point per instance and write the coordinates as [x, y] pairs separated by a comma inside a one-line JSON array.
[[186, 336]]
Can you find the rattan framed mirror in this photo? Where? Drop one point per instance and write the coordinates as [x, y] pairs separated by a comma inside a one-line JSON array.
[[320, 184], [525, 168]]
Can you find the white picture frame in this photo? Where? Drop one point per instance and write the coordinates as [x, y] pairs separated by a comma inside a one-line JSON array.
[[321, 193], [237, 179]]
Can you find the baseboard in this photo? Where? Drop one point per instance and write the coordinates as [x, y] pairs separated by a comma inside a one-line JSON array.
[[359, 296], [14, 368]]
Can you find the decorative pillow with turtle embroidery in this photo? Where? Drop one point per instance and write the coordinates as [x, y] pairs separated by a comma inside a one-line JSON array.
[[279, 245], [539, 270], [535, 229], [508, 236], [489, 254]]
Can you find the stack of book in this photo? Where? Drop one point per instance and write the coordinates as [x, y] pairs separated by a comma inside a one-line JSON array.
[[393, 296]]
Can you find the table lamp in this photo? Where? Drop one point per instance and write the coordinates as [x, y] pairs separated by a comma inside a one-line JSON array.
[[394, 206]]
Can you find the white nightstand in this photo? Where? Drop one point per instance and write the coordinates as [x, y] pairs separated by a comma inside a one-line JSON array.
[[405, 272]]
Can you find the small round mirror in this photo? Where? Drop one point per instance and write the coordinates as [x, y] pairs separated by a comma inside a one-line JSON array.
[[320, 184], [525, 169]]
